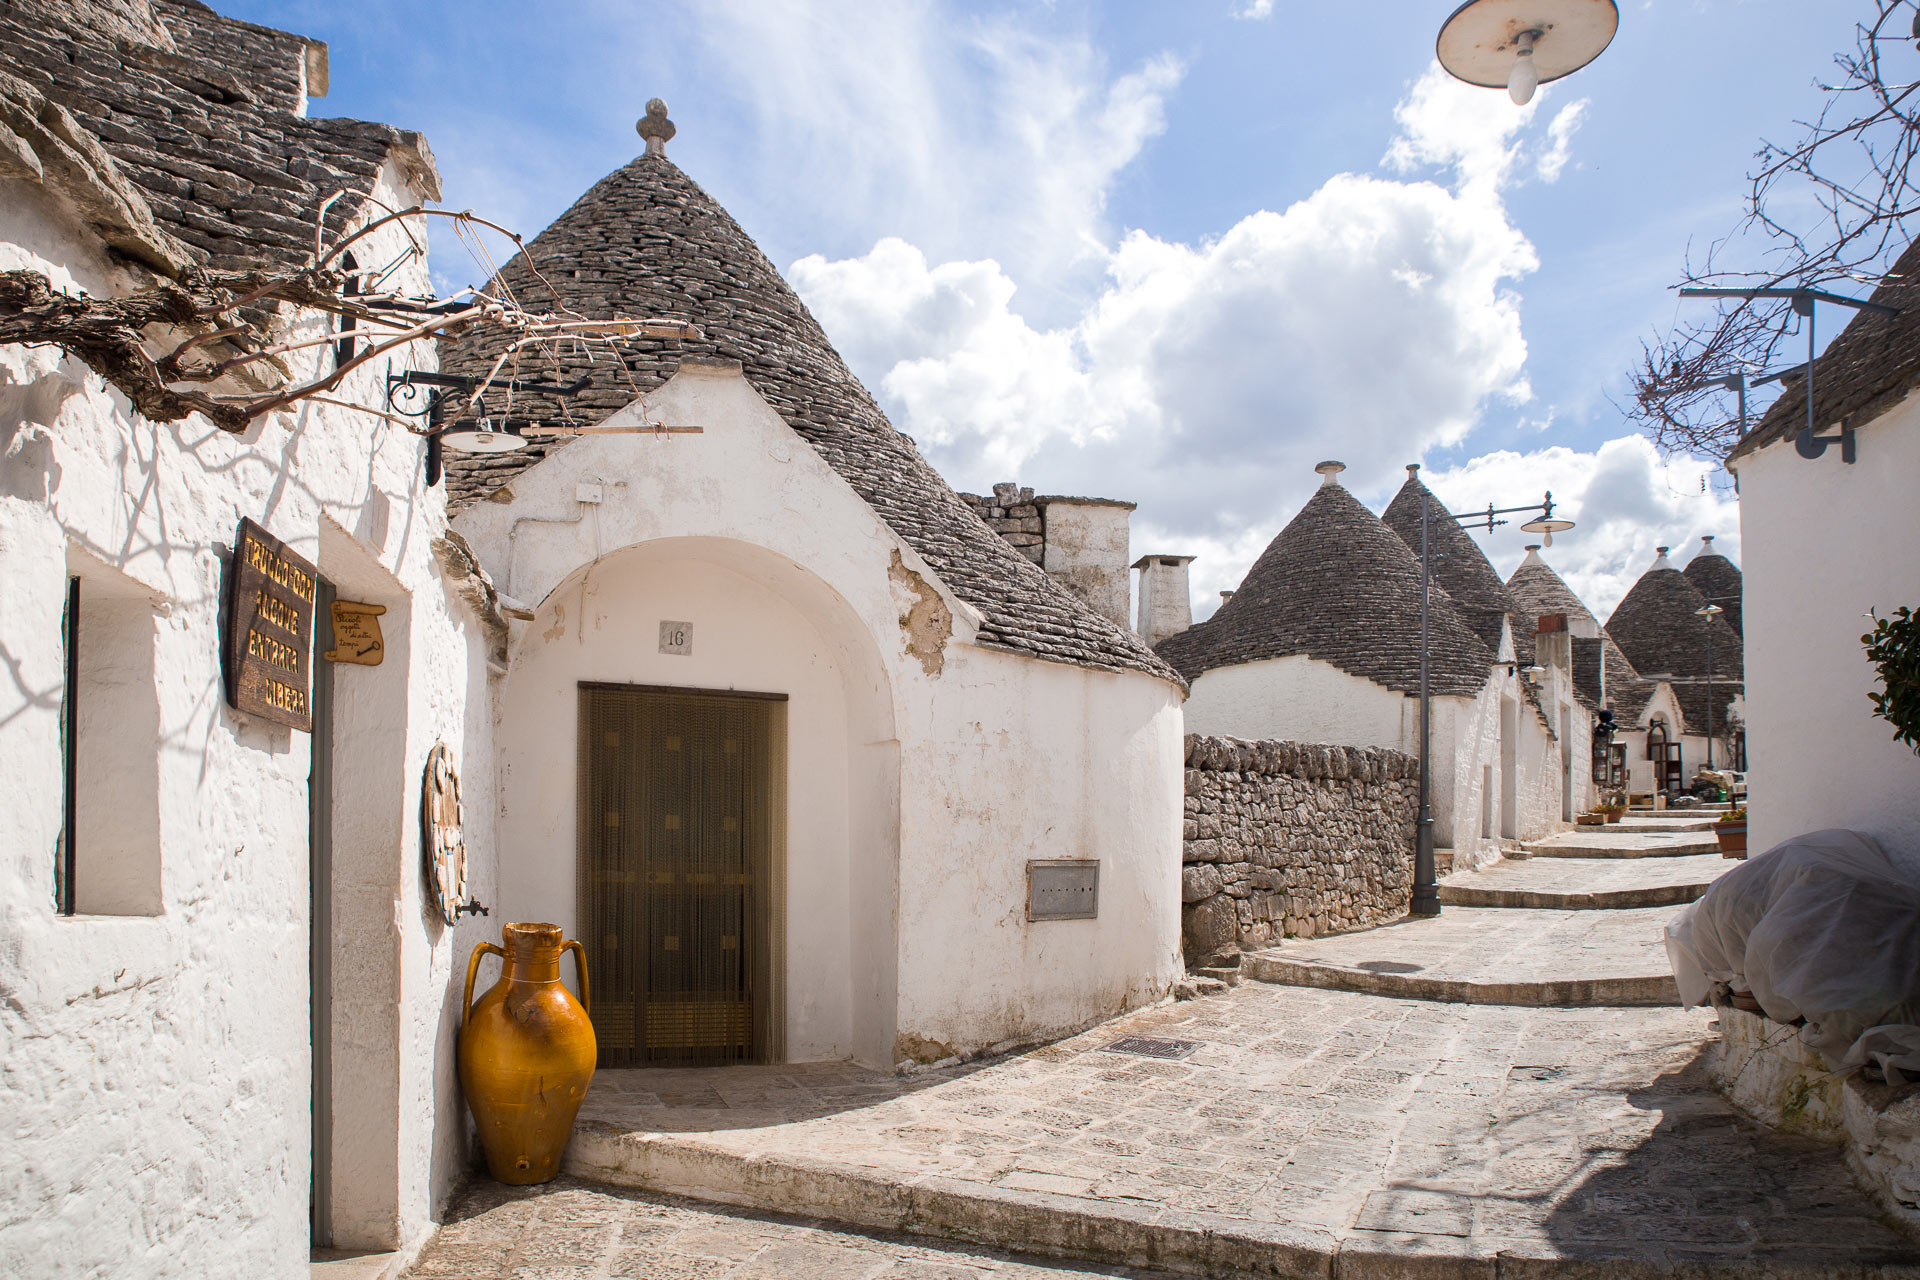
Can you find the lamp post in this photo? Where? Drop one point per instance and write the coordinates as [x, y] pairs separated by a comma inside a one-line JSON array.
[[1709, 613], [1519, 44], [1426, 886]]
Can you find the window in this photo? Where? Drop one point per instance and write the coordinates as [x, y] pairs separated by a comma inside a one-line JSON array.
[[109, 854]]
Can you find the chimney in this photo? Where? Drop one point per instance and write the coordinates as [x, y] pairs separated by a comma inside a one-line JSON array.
[[1084, 549], [1165, 609]]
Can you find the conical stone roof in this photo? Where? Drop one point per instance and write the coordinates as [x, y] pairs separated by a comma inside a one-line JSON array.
[[1718, 580], [1537, 590], [1458, 563], [1338, 585], [1656, 627], [647, 241]]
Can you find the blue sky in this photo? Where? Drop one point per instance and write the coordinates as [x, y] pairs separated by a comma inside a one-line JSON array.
[[1175, 254]]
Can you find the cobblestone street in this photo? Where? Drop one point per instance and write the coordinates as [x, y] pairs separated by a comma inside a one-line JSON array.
[[1294, 1130]]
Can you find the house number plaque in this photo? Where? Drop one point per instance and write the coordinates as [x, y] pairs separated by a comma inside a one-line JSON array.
[[268, 644]]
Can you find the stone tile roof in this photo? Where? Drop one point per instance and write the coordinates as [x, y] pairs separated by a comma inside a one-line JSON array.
[[1459, 564], [646, 240], [1538, 590], [202, 123], [1719, 581], [1870, 366], [1693, 696], [1655, 627], [1338, 585]]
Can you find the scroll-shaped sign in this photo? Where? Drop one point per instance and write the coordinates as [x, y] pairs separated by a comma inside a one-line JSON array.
[[269, 638], [356, 633], [442, 845]]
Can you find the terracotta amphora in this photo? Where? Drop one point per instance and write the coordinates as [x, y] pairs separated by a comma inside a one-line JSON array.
[[526, 1054]]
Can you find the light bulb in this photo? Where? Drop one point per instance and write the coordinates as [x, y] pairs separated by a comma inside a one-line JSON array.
[[1525, 77], [1521, 83]]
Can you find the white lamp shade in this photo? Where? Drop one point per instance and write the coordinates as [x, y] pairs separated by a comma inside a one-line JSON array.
[[1479, 43]]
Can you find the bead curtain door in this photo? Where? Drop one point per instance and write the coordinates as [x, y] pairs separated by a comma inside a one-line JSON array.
[[682, 822]]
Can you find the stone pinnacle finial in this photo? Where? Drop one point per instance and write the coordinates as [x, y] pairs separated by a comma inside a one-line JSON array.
[[656, 128], [1330, 472], [1706, 544], [1413, 471]]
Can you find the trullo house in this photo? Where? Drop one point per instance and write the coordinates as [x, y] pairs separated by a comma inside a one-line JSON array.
[[807, 756], [1321, 643]]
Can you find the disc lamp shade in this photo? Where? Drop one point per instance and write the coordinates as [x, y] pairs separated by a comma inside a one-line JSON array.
[[1518, 44], [1547, 528], [480, 436]]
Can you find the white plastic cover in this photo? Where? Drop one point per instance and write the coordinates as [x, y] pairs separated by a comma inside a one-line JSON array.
[[1824, 927]]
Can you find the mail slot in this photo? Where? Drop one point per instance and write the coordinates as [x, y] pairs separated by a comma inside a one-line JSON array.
[[1063, 888]]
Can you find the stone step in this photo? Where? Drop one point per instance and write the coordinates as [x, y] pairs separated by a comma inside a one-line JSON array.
[[1480, 955], [1664, 895], [1560, 993], [1600, 842], [1583, 884]]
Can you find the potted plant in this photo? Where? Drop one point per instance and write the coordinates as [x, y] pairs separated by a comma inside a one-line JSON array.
[[1613, 808], [1730, 829]]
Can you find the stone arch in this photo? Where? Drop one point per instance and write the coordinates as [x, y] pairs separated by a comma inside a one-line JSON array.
[[761, 622]]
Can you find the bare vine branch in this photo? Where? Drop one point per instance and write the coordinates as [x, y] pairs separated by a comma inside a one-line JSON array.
[[1832, 209], [227, 319]]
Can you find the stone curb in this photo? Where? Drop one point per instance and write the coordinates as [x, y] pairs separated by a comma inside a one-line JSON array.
[[1665, 895], [1677, 849], [1566, 993], [1146, 1235]]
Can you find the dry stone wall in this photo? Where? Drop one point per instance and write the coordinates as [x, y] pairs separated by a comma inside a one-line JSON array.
[[1291, 839]]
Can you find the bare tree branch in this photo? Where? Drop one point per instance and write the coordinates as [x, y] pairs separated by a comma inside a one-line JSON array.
[[1832, 209]]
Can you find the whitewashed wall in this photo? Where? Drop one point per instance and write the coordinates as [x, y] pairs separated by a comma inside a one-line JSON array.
[[155, 1097], [1822, 543], [1301, 699], [913, 803]]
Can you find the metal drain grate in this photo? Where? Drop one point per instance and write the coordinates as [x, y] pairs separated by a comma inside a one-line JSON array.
[[1149, 1047]]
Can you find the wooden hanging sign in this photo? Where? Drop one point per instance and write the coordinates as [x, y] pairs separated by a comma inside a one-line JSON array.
[[356, 633], [269, 634]]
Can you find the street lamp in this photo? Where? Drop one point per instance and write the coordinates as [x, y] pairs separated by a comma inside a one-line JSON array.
[[1518, 44], [1426, 886], [1709, 613]]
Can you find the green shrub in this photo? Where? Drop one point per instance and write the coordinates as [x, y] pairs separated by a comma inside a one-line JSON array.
[[1893, 647]]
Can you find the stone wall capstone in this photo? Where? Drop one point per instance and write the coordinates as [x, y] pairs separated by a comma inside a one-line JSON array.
[[1291, 839]]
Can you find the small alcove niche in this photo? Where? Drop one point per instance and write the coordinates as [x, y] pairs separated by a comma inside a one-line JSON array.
[[110, 839]]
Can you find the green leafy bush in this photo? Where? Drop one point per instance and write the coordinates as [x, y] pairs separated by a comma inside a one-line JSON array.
[[1893, 646]]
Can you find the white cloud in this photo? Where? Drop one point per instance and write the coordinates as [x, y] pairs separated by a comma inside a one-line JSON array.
[[1625, 501], [1371, 321], [866, 91], [1254, 10]]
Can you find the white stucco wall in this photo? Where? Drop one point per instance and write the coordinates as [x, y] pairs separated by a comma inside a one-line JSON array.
[[1822, 543], [1301, 699], [156, 1090], [920, 780]]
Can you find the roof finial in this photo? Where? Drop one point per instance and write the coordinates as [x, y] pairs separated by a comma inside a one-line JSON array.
[[656, 128], [1329, 472], [1413, 471], [1706, 544]]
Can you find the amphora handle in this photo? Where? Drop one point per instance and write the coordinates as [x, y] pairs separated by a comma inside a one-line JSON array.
[[473, 968], [580, 967]]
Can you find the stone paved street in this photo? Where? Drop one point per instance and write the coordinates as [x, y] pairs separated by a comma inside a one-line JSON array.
[[1328, 1122], [1619, 842], [572, 1231]]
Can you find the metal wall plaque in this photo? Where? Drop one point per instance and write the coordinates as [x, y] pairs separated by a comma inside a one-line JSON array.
[[356, 633], [268, 644], [1063, 888]]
